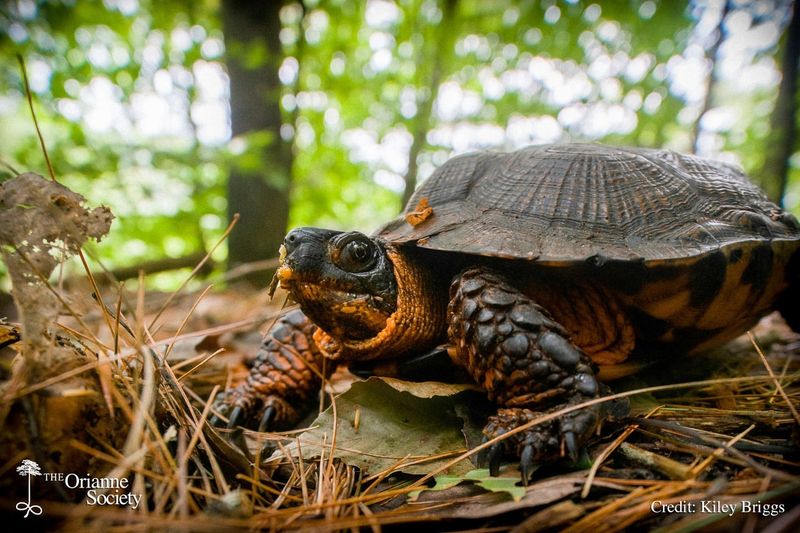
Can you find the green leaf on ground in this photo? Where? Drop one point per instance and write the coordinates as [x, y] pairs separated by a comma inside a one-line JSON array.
[[414, 430], [482, 478]]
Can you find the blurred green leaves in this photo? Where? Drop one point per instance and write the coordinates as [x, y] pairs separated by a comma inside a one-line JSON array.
[[116, 95], [133, 100]]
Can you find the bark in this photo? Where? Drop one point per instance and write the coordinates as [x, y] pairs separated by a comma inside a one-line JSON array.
[[437, 51], [260, 196], [775, 172]]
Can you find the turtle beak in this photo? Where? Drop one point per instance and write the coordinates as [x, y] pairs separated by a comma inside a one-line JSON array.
[[282, 272], [302, 254]]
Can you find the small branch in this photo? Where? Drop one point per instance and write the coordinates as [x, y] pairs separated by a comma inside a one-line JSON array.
[[669, 467], [163, 264], [33, 114]]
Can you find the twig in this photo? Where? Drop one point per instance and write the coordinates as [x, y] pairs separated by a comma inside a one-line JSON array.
[[608, 450], [705, 463], [186, 320], [33, 114], [194, 271], [775, 379], [673, 469], [561, 412], [8, 165]]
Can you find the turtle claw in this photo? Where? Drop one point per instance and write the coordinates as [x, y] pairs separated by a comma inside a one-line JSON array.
[[527, 463], [491, 456], [266, 419], [483, 453], [565, 436], [235, 417], [228, 411], [571, 446], [495, 457]]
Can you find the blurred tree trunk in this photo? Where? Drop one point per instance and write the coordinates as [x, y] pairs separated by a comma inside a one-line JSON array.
[[713, 75], [434, 51], [780, 145], [259, 193]]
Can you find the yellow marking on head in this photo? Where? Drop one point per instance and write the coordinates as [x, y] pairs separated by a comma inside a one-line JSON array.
[[284, 274]]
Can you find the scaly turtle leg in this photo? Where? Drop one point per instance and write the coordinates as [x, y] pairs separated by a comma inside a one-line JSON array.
[[526, 363], [283, 380]]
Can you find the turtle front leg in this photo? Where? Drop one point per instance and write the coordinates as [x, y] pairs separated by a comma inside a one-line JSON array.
[[283, 381], [526, 364]]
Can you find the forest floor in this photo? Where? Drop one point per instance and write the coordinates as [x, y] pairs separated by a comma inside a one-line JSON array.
[[716, 432], [105, 393]]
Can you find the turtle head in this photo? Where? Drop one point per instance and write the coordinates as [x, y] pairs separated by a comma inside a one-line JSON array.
[[368, 298], [343, 281]]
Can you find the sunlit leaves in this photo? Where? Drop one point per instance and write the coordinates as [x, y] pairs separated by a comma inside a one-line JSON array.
[[128, 99], [132, 93]]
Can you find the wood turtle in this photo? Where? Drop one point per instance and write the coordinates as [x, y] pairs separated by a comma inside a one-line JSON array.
[[538, 268]]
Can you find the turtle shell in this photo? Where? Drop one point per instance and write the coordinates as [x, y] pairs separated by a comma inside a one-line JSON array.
[[576, 202]]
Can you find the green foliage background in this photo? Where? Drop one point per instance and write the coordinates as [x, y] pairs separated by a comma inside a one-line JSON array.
[[357, 76]]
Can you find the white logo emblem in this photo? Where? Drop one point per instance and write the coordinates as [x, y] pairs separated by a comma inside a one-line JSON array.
[[29, 468]]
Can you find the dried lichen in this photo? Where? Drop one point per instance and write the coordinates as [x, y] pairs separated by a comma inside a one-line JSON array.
[[42, 223]]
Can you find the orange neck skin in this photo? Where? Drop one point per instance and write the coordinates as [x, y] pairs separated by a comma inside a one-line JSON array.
[[418, 323]]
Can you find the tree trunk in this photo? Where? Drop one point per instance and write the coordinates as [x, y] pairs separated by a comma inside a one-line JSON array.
[[437, 51], [780, 146], [259, 193], [713, 76]]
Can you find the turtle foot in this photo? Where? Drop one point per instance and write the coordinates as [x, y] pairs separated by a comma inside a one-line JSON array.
[[244, 406], [284, 380], [565, 436]]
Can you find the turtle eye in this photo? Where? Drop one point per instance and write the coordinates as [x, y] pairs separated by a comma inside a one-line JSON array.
[[356, 256]]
